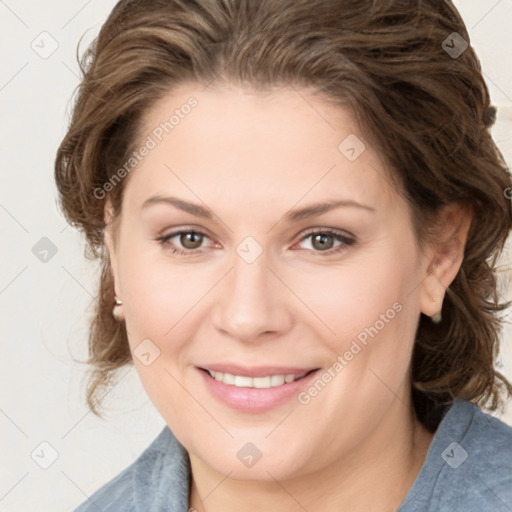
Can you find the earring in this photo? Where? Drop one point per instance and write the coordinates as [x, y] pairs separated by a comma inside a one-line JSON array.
[[436, 318], [115, 311]]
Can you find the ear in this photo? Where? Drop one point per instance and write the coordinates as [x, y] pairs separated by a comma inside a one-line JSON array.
[[445, 256], [109, 237]]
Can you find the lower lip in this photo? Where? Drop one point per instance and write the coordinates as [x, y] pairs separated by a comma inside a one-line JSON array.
[[255, 399]]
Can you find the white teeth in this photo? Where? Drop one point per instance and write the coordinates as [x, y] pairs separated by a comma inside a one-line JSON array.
[[277, 380], [254, 382], [243, 382], [228, 379], [261, 382]]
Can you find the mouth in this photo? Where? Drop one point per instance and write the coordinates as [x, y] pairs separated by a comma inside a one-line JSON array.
[[260, 382], [255, 389]]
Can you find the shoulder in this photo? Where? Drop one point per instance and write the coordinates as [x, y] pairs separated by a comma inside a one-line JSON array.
[[468, 465], [158, 477], [487, 442], [116, 495]]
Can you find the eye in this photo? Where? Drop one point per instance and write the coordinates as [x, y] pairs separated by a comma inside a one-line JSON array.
[[324, 241], [190, 241]]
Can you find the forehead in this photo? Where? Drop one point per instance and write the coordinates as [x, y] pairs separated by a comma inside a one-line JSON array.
[[276, 147]]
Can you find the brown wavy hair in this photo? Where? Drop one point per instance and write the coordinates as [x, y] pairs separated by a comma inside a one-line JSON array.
[[426, 111]]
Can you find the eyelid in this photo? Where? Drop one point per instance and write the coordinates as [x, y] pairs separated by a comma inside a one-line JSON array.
[[344, 237], [164, 238], [184, 229], [327, 230]]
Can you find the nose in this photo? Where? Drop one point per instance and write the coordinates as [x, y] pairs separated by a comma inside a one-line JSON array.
[[252, 303]]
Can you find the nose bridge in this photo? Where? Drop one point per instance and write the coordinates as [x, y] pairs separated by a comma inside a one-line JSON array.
[[250, 302], [250, 280]]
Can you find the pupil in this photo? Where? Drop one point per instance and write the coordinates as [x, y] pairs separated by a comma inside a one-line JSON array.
[[322, 243], [191, 240]]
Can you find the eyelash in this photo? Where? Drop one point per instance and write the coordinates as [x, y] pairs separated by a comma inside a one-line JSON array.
[[346, 241]]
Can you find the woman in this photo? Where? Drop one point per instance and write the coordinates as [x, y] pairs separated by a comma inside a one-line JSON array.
[[298, 207]]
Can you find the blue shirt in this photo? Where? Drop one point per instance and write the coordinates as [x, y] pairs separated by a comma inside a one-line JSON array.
[[468, 468]]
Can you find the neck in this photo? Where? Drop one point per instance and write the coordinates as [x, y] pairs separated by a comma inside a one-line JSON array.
[[374, 477]]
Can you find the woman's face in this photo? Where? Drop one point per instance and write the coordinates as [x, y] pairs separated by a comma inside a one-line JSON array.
[[304, 259]]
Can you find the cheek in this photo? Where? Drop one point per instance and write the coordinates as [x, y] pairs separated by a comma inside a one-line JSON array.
[[370, 307], [347, 299], [377, 320], [159, 299], [159, 293]]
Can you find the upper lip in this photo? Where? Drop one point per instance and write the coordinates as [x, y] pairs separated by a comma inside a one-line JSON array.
[[256, 371]]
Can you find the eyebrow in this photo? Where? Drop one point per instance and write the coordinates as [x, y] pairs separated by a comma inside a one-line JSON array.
[[292, 216], [194, 209], [319, 208]]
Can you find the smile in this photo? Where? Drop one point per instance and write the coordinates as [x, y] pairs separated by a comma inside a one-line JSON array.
[[242, 381], [257, 389]]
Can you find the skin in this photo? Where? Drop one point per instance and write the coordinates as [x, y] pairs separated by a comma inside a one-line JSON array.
[[250, 158]]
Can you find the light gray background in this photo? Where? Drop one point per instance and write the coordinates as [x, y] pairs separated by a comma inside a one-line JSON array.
[[44, 305]]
